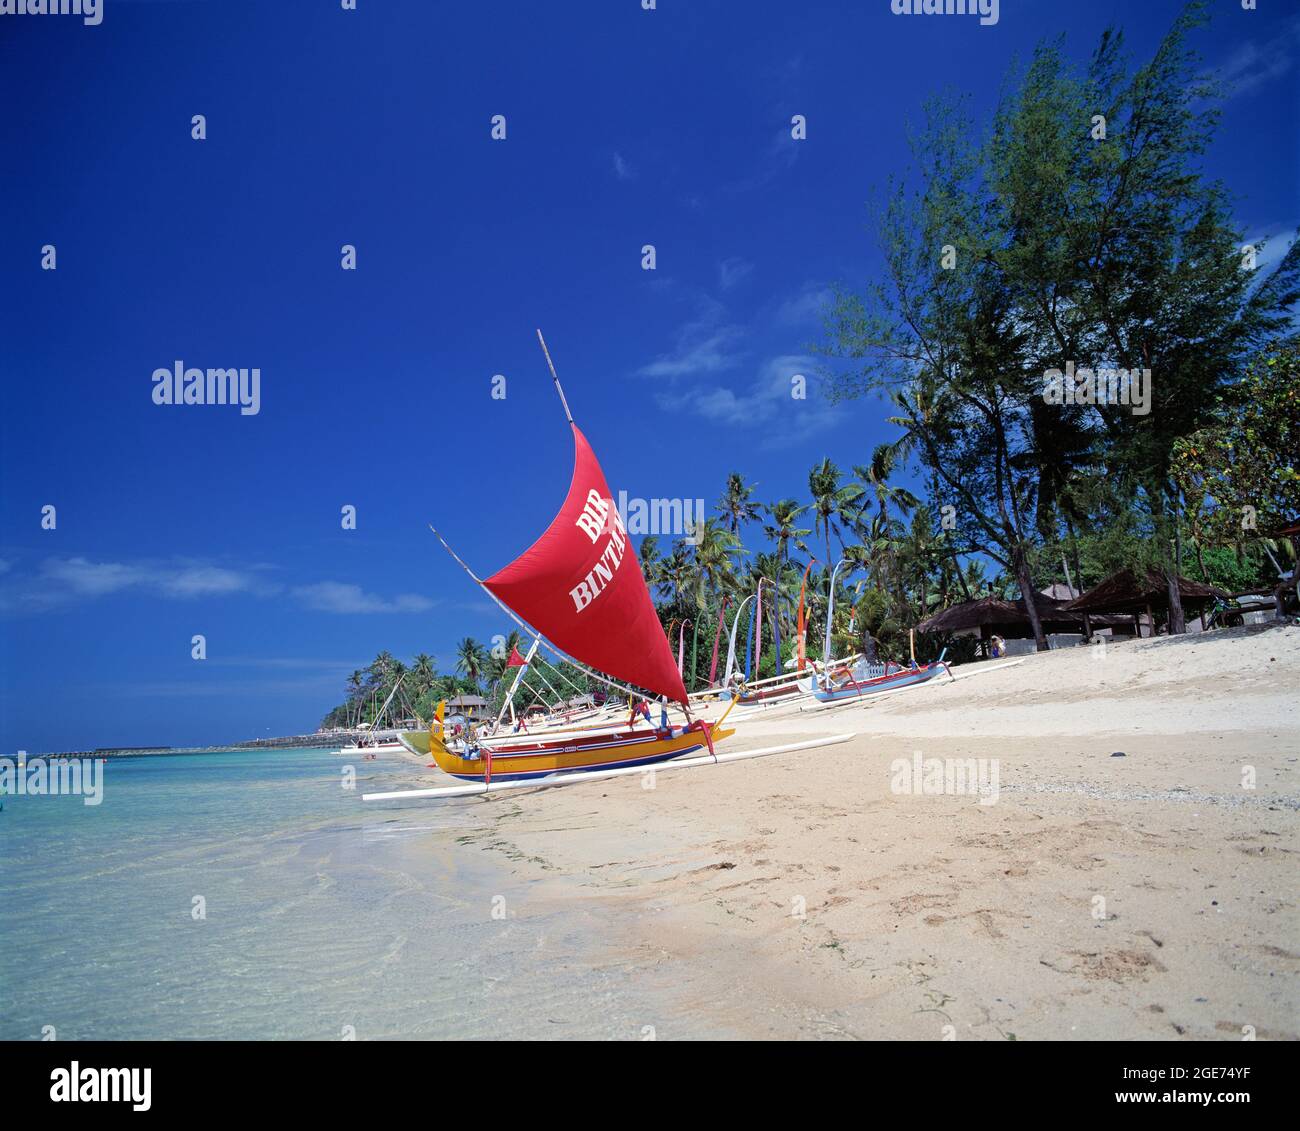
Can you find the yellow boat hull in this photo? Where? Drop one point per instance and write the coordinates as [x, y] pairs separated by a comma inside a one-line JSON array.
[[536, 764]]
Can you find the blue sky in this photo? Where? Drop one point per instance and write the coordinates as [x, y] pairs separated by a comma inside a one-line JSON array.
[[372, 127]]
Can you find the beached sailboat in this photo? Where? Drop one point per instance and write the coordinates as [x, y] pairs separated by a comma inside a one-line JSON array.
[[579, 588], [870, 679], [472, 760]]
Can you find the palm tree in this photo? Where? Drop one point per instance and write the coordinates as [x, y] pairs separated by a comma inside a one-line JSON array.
[[356, 688], [712, 567], [830, 501], [677, 574], [735, 505], [380, 669], [875, 479], [782, 529], [471, 659], [918, 552], [423, 672], [652, 562]]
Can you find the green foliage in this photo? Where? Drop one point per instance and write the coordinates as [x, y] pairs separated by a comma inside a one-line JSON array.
[[1239, 473]]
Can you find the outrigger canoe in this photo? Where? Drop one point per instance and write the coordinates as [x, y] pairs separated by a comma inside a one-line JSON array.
[[890, 677], [475, 763]]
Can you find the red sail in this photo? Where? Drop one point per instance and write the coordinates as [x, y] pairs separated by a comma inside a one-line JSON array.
[[580, 585]]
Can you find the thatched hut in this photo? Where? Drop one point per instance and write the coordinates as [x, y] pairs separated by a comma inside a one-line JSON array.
[[990, 616], [1133, 593]]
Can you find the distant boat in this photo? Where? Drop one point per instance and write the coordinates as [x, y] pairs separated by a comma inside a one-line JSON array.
[[389, 746], [373, 748]]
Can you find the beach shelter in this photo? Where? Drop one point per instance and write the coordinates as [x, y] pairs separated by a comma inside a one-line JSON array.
[[989, 616], [1134, 592]]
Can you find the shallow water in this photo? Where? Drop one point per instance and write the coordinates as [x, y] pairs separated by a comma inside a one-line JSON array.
[[323, 917]]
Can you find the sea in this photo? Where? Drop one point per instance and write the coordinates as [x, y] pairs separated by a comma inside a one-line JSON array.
[[252, 894]]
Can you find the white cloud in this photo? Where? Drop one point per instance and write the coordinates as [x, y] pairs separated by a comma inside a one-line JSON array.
[[732, 271], [804, 308], [1272, 244], [80, 577], [1253, 63], [59, 582], [622, 170], [765, 403], [704, 346], [339, 597]]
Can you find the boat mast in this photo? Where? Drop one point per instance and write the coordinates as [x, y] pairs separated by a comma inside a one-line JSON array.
[[510, 695], [555, 377]]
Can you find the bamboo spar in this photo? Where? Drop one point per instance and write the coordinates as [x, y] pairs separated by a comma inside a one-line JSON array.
[[529, 628], [510, 695], [555, 376]]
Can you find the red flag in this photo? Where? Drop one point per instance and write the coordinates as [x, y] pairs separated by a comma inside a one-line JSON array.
[[803, 620], [515, 660], [580, 585]]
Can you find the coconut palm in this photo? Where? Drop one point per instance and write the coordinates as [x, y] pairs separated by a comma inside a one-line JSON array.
[[471, 659], [652, 561], [875, 481], [712, 549], [423, 672], [784, 528], [736, 506], [356, 691], [832, 502], [677, 574]]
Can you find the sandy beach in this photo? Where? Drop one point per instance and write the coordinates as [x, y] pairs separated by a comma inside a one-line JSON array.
[[1146, 896]]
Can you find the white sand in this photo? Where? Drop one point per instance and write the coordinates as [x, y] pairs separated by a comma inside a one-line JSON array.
[[1148, 896]]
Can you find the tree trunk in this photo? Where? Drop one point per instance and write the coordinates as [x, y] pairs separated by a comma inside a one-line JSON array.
[[1200, 561], [1074, 552], [1021, 564], [961, 577], [1177, 620]]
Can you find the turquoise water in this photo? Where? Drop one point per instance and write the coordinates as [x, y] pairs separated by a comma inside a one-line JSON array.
[[324, 916]]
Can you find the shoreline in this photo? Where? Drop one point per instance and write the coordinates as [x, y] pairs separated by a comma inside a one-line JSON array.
[[321, 740]]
